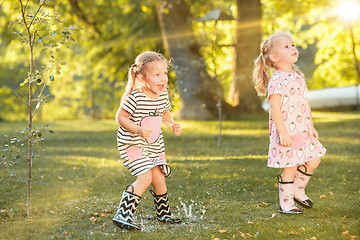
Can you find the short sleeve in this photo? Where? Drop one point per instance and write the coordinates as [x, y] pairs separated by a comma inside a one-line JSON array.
[[276, 84], [167, 105], [129, 104]]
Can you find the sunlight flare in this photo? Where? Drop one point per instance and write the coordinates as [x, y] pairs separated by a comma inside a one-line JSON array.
[[349, 10]]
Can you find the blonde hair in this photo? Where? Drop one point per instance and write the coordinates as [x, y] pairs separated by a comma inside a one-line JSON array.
[[140, 67], [261, 76]]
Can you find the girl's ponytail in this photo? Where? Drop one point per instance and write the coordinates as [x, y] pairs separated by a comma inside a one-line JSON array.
[[260, 76], [297, 70], [131, 84]]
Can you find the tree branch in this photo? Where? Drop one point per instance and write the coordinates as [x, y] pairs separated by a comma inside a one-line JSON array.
[[26, 5], [40, 99], [41, 4], [226, 45], [23, 14], [20, 98], [42, 40], [14, 174]]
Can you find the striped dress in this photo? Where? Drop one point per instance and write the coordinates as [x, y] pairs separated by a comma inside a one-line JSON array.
[[140, 155]]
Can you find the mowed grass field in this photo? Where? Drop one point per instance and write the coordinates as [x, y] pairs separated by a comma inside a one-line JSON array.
[[220, 193]]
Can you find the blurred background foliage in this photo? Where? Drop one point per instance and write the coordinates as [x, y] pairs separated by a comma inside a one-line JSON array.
[[110, 34]]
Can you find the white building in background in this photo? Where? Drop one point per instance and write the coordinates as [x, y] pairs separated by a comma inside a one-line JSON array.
[[330, 97]]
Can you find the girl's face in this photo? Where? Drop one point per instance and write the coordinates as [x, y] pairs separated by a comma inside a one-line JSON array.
[[155, 78], [284, 52]]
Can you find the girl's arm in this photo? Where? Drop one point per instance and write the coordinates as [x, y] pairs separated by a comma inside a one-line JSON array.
[[313, 130], [122, 119], [275, 106], [168, 120]]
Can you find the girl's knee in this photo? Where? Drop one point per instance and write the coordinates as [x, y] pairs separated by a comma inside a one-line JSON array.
[[158, 175], [288, 173], [289, 170], [157, 172], [312, 165], [145, 178]]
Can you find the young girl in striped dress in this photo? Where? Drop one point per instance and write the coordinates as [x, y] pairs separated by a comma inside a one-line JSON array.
[[143, 108]]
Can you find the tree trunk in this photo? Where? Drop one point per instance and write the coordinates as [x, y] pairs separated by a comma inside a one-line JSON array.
[[31, 38], [197, 88], [247, 47], [30, 109]]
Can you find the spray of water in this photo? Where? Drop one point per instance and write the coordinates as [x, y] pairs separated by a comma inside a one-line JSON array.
[[187, 210]]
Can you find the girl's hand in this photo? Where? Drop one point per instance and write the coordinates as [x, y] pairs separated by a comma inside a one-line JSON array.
[[285, 139], [144, 132], [176, 128], [314, 133]]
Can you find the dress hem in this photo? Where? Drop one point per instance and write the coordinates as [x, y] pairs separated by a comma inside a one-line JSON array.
[[301, 163]]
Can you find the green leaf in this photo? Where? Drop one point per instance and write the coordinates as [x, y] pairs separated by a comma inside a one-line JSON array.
[[51, 132]]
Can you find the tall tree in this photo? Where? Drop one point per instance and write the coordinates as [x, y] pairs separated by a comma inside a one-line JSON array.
[[37, 30], [247, 44], [197, 89]]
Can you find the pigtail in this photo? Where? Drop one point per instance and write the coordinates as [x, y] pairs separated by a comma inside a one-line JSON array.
[[260, 76], [297, 70], [131, 84]]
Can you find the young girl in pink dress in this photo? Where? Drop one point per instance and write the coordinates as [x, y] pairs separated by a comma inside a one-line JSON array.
[[294, 144]]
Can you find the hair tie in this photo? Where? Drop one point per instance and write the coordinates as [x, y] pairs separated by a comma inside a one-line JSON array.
[[262, 57]]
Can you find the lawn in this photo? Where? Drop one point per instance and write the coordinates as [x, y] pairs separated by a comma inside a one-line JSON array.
[[223, 193]]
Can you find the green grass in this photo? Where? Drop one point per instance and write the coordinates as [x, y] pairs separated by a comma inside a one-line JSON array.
[[80, 176]]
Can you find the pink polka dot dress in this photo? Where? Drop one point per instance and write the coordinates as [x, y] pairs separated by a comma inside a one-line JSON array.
[[296, 116]]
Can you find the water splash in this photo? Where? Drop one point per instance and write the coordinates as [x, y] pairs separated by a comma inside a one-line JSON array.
[[194, 211], [187, 210]]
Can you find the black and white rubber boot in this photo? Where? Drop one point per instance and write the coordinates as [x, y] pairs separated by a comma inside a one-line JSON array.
[[163, 213], [124, 215]]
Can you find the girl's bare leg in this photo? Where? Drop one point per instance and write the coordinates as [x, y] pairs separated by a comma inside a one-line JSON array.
[[288, 174], [311, 166], [158, 181], [142, 182]]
